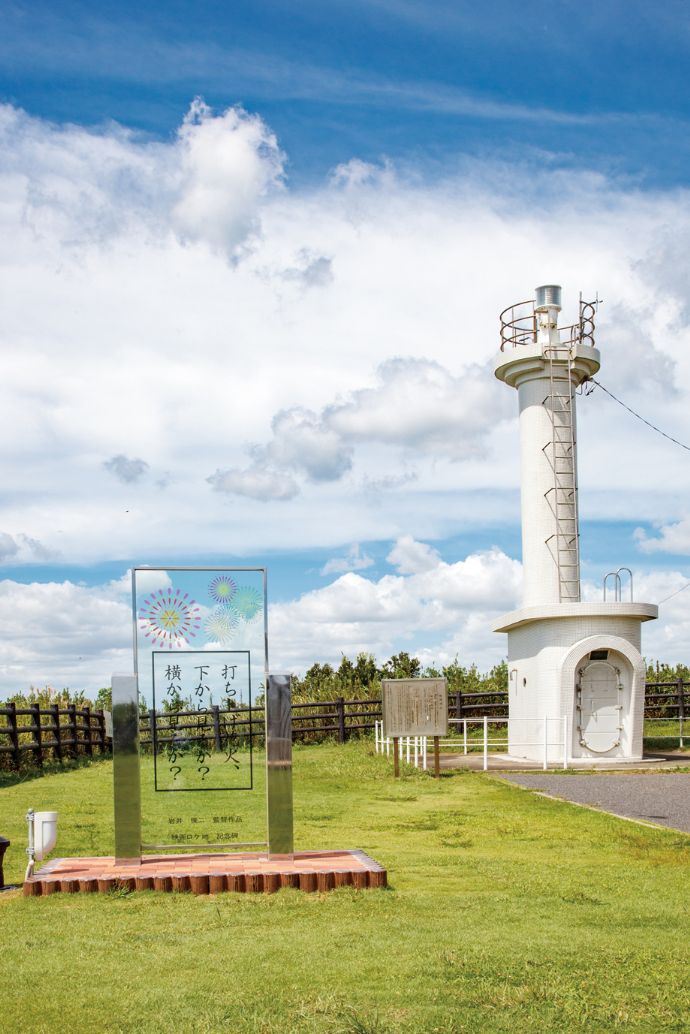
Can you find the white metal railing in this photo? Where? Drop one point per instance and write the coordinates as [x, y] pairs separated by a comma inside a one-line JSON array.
[[412, 749], [680, 735], [548, 745], [552, 749]]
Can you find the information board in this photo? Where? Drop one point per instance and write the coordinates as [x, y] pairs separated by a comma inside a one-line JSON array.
[[415, 707]]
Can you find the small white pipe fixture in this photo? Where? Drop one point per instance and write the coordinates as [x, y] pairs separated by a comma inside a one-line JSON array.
[[42, 837]]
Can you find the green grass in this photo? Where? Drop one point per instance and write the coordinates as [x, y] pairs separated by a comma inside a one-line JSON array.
[[506, 912]]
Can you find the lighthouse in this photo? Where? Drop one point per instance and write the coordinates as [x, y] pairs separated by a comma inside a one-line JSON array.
[[576, 674]]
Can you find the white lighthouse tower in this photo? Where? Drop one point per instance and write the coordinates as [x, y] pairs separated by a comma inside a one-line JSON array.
[[576, 674]]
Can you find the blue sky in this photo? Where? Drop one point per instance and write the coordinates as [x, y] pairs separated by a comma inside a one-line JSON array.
[[591, 85], [258, 327]]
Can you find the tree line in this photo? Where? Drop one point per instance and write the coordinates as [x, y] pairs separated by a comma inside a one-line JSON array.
[[358, 679]]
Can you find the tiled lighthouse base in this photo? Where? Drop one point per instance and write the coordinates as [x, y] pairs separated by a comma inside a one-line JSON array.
[[209, 873]]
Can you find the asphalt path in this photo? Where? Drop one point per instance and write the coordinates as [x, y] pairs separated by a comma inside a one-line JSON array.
[[660, 799]]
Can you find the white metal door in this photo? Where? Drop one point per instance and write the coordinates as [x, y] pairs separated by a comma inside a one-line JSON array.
[[599, 706]]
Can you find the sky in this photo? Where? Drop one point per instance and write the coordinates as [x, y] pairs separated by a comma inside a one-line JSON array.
[[253, 258]]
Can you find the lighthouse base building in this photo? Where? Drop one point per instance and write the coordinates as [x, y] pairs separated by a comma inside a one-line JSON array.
[[576, 674], [576, 682]]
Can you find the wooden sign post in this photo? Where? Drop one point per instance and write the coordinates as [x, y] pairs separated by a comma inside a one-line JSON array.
[[415, 707]]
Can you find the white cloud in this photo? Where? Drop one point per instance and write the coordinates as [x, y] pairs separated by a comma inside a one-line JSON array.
[[419, 405], [227, 163], [438, 608], [62, 634], [126, 470], [355, 560], [20, 548], [670, 538], [411, 557], [301, 442], [328, 346], [255, 483]]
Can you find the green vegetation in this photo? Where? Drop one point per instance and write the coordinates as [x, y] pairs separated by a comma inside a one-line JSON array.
[[358, 678], [506, 912], [362, 678]]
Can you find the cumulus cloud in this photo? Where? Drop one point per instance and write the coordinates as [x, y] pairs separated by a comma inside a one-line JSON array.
[[410, 557], [62, 634], [22, 548], [355, 560], [437, 602], [255, 483], [125, 469], [229, 309], [416, 406], [670, 538], [419, 405], [301, 441], [227, 163]]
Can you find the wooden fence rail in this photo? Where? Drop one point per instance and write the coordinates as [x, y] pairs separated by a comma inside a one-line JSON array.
[[27, 735], [66, 732]]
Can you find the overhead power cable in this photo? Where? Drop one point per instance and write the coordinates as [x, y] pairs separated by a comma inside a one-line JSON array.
[[653, 426], [682, 588]]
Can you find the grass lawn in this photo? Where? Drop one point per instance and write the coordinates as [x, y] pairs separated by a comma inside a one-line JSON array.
[[506, 912]]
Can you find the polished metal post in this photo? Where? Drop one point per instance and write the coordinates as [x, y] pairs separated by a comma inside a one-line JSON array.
[[279, 765], [126, 782]]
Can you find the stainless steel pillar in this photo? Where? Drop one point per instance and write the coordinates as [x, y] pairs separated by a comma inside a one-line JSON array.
[[279, 765], [126, 781]]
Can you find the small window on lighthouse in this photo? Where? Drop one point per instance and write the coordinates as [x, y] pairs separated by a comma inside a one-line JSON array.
[[599, 655]]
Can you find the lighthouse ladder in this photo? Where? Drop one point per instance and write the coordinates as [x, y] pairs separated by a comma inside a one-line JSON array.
[[563, 544]]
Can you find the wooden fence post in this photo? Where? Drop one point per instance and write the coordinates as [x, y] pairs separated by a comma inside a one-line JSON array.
[[36, 722], [100, 733], [88, 745], [72, 726], [153, 730], [340, 708], [458, 703], [681, 699], [57, 749], [14, 735], [218, 743]]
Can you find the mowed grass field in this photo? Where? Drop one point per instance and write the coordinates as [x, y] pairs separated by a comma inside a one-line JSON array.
[[506, 912]]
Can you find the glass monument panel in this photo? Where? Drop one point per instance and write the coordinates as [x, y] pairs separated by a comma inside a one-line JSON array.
[[201, 658]]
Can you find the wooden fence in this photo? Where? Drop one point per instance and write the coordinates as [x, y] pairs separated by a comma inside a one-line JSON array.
[[26, 734], [67, 732]]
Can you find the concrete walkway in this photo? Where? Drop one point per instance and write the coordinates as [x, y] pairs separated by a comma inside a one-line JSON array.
[[502, 763], [662, 799]]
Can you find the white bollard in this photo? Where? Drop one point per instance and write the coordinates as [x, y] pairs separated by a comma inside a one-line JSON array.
[[486, 743]]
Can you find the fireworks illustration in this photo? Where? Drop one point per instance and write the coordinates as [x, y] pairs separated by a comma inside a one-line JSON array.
[[222, 589], [169, 618], [221, 624], [247, 602]]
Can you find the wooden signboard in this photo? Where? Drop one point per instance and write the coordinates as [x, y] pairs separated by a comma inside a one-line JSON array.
[[415, 707]]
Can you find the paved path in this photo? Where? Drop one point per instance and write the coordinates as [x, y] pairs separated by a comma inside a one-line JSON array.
[[661, 799]]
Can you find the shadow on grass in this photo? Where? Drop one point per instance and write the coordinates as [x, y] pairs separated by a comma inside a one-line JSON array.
[[12, 778]]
